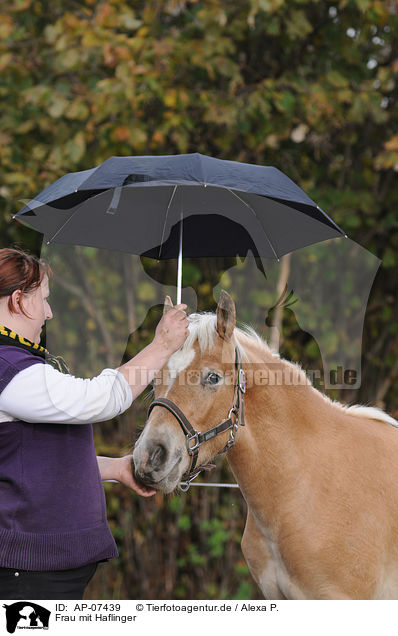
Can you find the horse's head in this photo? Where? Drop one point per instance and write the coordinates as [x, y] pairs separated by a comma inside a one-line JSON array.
[[200, 380]]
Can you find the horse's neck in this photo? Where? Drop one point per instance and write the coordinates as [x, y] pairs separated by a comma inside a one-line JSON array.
[[284, 424]]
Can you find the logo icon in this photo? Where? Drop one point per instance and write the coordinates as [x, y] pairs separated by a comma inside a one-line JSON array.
[[26, 615]]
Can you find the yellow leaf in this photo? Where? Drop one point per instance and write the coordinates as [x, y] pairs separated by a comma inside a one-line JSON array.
[[39, 152], [25, 127], [71, 20], [71, 59], [158, 138], [90, 39], [5, 26], [138, 138], [121, 133], [57, 106], [392, 144], [102, 13], [51, 32], [5, 60], [21, 5], [122, 53], [77, 110], [140, 69], [170, 99], [109, 54], [272, 141]]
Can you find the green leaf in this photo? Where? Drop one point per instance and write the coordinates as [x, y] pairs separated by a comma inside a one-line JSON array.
[[57, 106], [184, 522], [298, 26]]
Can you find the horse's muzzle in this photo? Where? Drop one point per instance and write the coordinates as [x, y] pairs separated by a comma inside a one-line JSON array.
[[151, 461]]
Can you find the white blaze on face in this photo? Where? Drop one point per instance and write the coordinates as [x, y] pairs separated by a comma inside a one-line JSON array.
[[202, 330], [179, 361]]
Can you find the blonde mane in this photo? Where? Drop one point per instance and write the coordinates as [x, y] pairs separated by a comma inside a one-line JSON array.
[[203, 329]]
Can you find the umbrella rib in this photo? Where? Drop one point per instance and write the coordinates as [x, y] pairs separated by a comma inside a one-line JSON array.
[[250, 208], [165, 220], [66, 222]]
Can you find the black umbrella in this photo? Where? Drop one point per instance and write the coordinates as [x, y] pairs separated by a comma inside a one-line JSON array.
[[166, 206]]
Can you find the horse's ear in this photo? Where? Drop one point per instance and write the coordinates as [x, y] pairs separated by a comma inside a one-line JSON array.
[[168, 304], [226, 316]]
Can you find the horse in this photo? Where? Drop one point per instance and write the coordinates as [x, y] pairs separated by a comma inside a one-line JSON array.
[[320, 478]]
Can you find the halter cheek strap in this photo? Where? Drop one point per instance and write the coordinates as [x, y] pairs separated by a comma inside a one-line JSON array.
[[193, 438]]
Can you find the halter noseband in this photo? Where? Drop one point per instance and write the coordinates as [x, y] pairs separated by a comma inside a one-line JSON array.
[[194, 439]]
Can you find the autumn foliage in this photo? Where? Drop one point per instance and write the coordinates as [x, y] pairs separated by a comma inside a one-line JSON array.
[[308, 86]]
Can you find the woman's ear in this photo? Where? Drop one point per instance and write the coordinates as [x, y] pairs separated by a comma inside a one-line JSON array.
[[16, 298]]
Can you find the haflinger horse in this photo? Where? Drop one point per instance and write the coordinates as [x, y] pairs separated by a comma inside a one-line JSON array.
[[320, 479]]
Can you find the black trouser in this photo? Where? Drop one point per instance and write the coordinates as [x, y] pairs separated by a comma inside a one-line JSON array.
[[60, 584]]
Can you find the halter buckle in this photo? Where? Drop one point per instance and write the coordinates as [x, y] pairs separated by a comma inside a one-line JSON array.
[[232, 434], [242, 381], [196, 445], [185, 485]]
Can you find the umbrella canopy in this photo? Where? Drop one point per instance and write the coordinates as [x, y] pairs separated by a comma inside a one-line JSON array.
[[163, 206]]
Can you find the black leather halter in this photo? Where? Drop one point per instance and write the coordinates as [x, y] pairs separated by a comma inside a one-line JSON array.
[[193, 438]]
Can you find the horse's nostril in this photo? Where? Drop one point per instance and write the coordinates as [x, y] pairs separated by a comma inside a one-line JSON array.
[[157, 455]]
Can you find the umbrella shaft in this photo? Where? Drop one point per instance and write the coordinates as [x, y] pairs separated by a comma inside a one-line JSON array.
[[179, 271]]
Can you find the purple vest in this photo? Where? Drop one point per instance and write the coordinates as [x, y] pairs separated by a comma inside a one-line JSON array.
[[52, 502]]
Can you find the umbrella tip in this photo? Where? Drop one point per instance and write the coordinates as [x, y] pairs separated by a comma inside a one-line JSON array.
[[345, 236]]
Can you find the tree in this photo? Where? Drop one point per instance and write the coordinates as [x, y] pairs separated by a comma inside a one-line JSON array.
[[307, 86]]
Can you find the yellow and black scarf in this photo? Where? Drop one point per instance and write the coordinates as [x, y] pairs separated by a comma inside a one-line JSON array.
[[10, 338]]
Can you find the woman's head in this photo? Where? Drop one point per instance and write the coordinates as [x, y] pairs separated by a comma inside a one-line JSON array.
[[24, 292]]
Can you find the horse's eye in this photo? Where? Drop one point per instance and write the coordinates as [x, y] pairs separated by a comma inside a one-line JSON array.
[[212, 379]]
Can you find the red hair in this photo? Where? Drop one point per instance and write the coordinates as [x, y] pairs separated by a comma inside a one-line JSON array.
[[19, 270]]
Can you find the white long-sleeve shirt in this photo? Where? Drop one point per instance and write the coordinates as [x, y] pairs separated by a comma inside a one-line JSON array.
[[44, 395]]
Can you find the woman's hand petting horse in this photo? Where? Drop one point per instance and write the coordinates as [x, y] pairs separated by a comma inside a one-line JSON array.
[[172, 330], [170, 335]]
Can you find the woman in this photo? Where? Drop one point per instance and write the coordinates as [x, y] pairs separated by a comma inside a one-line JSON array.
[[53, 527]]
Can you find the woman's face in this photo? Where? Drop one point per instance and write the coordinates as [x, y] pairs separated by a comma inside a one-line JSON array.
[[36, 305]]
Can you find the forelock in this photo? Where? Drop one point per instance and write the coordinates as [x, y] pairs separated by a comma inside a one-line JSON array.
[[202, 329]]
